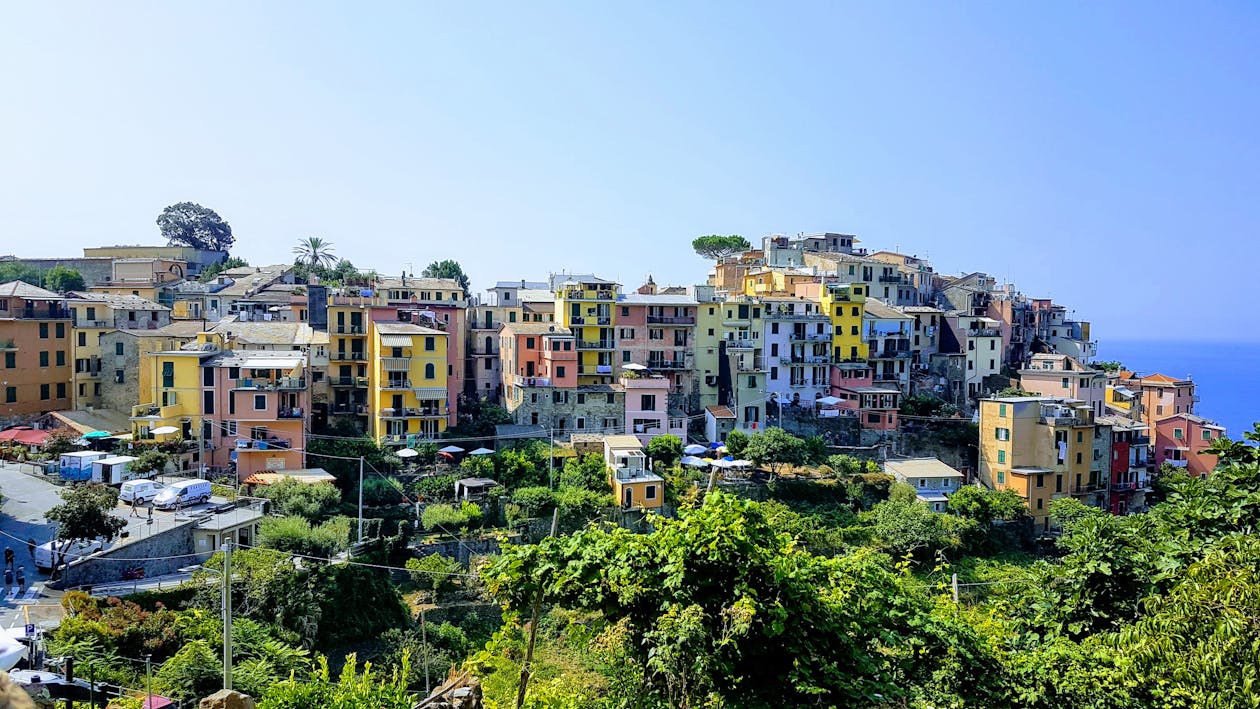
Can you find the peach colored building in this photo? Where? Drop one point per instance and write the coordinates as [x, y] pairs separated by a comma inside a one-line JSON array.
[[1064, 377], [255, 408], [659, 332], [35, 352], [1160, 396], [1180, 440], [876, 407]]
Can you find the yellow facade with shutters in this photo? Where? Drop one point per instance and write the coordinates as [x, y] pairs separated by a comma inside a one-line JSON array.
[[171, 390], [407, 382], [588, 306], [845, 304]]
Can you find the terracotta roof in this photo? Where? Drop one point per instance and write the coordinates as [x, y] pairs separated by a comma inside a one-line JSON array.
[[25, 435], [720, 412], [1159, 379]]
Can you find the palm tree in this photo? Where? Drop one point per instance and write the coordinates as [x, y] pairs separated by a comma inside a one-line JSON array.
[[315, 252]]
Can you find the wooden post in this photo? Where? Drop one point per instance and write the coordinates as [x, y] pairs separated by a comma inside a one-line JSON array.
[[954, 583]]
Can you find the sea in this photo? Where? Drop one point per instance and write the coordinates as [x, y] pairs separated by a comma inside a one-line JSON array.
[[1227, 374]]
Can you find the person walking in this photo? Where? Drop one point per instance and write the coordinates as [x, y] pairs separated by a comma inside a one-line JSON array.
[[8, 558], [30, 546], [134, 511], [21, 579]]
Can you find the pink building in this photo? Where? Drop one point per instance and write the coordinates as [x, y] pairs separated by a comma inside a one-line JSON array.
[[1181, 439], [1064, 377], [647, 414], [659, 332], [1161, 396], [256, 408], [876, 407]]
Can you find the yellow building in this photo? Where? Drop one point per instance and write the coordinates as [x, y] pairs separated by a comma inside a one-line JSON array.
[[94, 315], [845, 304], [775, 281], [407, 391], [1040, 447], [633, 484], [348, 359], [174, 397], [587, 306]]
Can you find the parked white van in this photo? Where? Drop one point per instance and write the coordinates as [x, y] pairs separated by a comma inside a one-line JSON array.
[[44, 552], [182, 494], [142, 491]]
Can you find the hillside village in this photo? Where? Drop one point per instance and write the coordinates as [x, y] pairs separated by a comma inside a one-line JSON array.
[[416, 447]]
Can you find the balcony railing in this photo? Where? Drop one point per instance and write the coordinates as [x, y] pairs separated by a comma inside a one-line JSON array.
[[270, 443], [985, 332], [351, 356], [886, 377], [294, 413], [395, 364], [671, 320], [1086, 489], [93, 323], [396, 384], [811, 337], [410, 413], [741, 344], [521, 381], [889, 354], [595, 344], [749, 364], [668, 364], [1061, 421], [1141, 441], [271, 384], [348, 381], [42, 314], [805, 359], [896, 278], [349, 329], [350, 409]]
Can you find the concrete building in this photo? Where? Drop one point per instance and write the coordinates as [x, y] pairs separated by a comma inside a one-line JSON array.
[[647, 407], [1181, 441], [1131, 464], [634, 485], [1063, 376], [1158, 396], [256, 409], [407, 382], [541, 383], [587, 306], [932, 480], [94, 315], [504, 304], [741, 364], [887, 332], [876, 406], [122, 377], [659, 332], [35, 352], [798, 341]]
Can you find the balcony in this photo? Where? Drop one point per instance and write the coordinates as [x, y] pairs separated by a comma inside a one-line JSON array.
[[348, 381], [810, 337], [350, 329], [396, 384], [93, 323], [895, 278], [749, 364], [283, 383], [985, 332], [670, 320], [41, 314], [668, 364], [1061, 421], [741, 344], [410, 413], [521, 381], [294, 413], [395, 364], [268, 444], [1141, 441], [595, 344], [886, 377], [1178, 463], [889, 354], [351, 356], [789, 315], [8, 346], [350, 410], [1087, 489], [805, 359]]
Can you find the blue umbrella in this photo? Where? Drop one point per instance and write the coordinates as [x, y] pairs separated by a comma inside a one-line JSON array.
[[727, 457], [715, 445], [96, 434]]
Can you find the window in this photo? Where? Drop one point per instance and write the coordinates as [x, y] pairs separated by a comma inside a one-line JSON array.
[[610, 398], [234, 373], [1041, 479], [10, 395], [43, 392], [1065, 382], [43, 331], [43, 359], [229, 428], [260, 402], [922, 482], [1178, 433], [649, 492], [774, 328], [1080, 436], [1001, 478], [10, 360], [168, 374], [710, 329], [1078, 457], [559, 371], [992, 344], [581, 398], [61, 358], [1058, 483], [511, 316], [118, 349], [91, 313], [529, 343], [430, 344], [853, 329], [207, 402], [656, 334], [647, 402], [1001, 456], [61, 390], [581, 423], [207, 376], [774, 374], [625, 355], [752, 381], [625, 311], [1207, 435], [1002, 410], [1002, 434], [971, 344], [82, 339], [429, 371], [118, 376], [1040, 502]]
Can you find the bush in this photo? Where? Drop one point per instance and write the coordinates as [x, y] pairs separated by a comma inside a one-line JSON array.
[[436, 488], [296, 535], [292, 498], [448, 518], [381, 492], [533, 501], [434, 572], [665, 449], [736, 442]]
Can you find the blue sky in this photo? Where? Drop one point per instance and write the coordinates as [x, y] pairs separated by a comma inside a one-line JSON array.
[[1103, 154]]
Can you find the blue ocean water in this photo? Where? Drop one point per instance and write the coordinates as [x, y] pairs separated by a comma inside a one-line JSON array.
[[1227, 374]]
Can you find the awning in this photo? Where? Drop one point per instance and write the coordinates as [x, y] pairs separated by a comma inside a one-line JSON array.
[[634, 367], [396, 340], [161, 430], [96, 434], [309, 476], [828, 401], [694, 462], [25, 435]]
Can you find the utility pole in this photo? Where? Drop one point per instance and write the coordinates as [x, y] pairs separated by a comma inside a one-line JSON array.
[[70, 678], [227, 615], [533, 626], [148, 679], [424, 640], [361, 498]]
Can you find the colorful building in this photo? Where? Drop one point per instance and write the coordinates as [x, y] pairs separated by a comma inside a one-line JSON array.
[[634, 485], [845, 304], [1159, 396], [647, 407], [932, 480], [797, 340], [35, 352], [1063, 376], [256, 408], [1130, 463], [94, 315], [540, 383], [741, 364], [877, 407], [407, 382], [887, 332], [1042, 448], [587, 306], [659, 332], [504, 305], [1181, 441]]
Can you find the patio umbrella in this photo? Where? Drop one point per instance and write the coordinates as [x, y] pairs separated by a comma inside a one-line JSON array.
[[694, 449], [451, 449], [694, 462], [719, 463], [715, 445], [444, 454], [481, 451], [162, 430], [100, 434], [634, 367], [741, 463], [407, 453]]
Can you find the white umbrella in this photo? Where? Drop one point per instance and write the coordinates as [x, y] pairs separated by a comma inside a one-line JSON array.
[[407, 453], [163, 430], [719, 463], [451, 449], [695, 449], [481, 451], [694, 462], [740, 463], [634, 367]]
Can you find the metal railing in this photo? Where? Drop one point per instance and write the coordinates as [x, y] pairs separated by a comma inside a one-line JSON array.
[[344, 356], [671, 320]]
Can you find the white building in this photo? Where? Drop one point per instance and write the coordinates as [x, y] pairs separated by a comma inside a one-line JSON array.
[[797, 340], [932, 480]]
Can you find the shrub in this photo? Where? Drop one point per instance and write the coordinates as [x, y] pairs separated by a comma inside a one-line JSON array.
[[296, 535], [533, 501], [436, 488]]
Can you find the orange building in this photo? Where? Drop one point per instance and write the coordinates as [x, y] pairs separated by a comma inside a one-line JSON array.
[[35, 363]]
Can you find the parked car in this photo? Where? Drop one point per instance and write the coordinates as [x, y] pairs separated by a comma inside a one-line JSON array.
[[183, 494], [142, 491], [44, 555]]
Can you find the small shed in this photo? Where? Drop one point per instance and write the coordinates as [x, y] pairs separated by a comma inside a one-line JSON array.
[[718, 421], [473, 488]]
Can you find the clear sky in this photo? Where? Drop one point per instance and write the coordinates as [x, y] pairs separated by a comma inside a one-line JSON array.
[[1104, 154]]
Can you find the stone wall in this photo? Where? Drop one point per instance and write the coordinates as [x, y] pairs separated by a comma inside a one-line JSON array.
[[156, 550], [93, 270], [114, 395]]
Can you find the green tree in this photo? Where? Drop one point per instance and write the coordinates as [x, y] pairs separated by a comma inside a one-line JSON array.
[[666, 449], [1016, 391], [290, 498], [14, 271], [1108, 365], [902, 525], [447, 269], [926, 405], [436, 488], [716, 246], [717, 608], [736, 442], [195, 671], [62, 279], [315, 252], [209, 273], [984, 505], [449, 518], [775, 450], [589, 472], [296, 535], [150, 462], [84, 514], [59, 441], [189, 224], [435, 572]]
